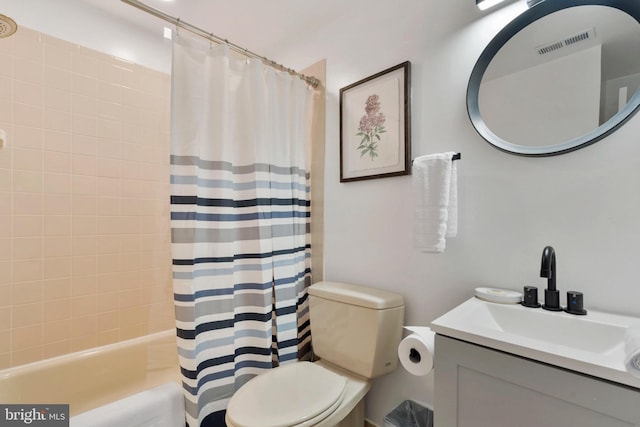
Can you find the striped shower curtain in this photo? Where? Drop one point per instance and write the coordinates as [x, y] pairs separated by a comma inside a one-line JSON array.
[[240, 218]]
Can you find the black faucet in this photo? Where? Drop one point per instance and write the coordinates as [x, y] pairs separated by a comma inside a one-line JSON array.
[[548, 270]]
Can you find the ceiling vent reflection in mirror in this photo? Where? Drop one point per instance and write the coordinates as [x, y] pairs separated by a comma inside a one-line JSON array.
[[589, 34]]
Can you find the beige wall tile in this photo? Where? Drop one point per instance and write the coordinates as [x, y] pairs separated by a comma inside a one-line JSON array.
[[57, 162], [57, 141], [57, 204], [28, 137], [5, 250], [28, 355], [56, 349], [28, 44], [57, 246], [6, 227], [84, 306], [26, 337], [83, 265], [6, 274], [56, 310], [27, 248], [57, 99], [28, 93], [6, 182], [27, 181], [56, 56], [5, 286], [57, 78], [27, 204], [57, 268], [57, 120], [27, 160], [83, 326], [27, 115], [27, 225], [84, 144], [57, 225], [26, 315], [108, 337], [55, 289], [86, 205], [84, 164], [81, 262], [5, 341], [83, 125], [6, 203], [84, 286], [84, 342], [27, 270], [84, 104], [6, 87], [84, 225], [28, 70], [84, 85], [27, 292], [58, 183]]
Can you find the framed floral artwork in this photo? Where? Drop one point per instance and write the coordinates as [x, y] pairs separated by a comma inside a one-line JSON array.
[[375, 134]]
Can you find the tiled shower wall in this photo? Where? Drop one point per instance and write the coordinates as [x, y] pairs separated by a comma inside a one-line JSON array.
[[84, 213]]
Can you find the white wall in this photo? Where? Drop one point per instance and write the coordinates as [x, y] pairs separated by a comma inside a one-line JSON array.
[[585, 203]]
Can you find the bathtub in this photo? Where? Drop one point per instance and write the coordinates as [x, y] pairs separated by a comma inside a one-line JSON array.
[[111, 379]]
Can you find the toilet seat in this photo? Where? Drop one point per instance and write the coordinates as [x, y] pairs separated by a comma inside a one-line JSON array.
[[298, 394]]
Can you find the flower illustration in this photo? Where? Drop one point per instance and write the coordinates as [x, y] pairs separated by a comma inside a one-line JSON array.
[[370, 127]]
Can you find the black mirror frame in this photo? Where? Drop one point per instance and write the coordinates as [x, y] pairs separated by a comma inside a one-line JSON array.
[[539, 11]]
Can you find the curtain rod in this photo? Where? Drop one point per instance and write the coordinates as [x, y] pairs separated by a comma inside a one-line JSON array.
[[312, 81]]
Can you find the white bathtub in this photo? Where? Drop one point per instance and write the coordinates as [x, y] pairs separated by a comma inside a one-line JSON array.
[[162, 406], [102, 376]]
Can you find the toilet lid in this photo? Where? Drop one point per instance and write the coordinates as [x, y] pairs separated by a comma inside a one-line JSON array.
[[290, 395]]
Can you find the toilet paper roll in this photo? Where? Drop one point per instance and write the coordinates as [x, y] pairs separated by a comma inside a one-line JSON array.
[[417, 349]]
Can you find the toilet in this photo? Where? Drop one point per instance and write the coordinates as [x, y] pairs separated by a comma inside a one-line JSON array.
[[355, 332]]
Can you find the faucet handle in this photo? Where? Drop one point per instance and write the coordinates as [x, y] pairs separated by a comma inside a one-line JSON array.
[[575, 303], [530, 298]]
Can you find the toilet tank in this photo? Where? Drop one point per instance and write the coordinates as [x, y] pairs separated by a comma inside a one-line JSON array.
[[355, 327]]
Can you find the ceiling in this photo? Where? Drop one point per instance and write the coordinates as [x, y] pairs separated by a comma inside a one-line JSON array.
[[256, 25]]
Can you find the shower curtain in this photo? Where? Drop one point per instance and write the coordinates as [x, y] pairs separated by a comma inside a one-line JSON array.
[[240, 219]]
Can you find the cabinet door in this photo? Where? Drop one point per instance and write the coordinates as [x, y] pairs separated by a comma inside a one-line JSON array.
[[480, 387]]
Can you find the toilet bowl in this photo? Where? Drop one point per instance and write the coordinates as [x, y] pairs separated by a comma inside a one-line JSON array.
[[299, 394], [355, 331]]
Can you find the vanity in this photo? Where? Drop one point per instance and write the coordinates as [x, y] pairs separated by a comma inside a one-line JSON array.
[[509, 365]]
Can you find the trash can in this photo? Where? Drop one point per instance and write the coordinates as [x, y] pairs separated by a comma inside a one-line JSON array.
[[409, 414]]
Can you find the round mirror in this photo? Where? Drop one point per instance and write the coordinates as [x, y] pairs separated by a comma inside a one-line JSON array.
[[562, 75]]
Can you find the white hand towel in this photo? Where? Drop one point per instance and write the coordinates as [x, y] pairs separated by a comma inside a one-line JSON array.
[[632, 350], [435, 201]]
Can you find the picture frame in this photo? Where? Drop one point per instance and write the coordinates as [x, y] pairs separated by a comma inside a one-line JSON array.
[[375, 125]]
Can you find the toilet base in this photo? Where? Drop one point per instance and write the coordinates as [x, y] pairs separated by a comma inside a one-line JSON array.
[[355, 417]]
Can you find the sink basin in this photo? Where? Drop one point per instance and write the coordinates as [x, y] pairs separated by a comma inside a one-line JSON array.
[[592, 344]]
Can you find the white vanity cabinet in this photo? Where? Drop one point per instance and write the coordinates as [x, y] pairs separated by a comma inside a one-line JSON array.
[[480, 387]]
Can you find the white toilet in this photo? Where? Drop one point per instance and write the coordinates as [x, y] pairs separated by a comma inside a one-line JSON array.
[[355, 331]]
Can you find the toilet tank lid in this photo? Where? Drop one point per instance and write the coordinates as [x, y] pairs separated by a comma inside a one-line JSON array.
[[362, 296]]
